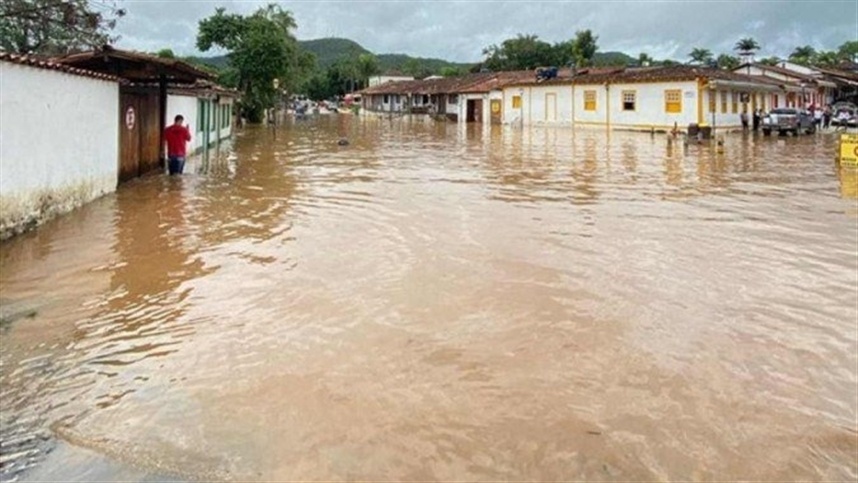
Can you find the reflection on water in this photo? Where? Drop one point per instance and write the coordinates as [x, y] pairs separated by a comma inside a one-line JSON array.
[[444, 302]]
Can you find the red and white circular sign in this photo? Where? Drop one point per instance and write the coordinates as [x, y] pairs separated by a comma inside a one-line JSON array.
[[130, 118]]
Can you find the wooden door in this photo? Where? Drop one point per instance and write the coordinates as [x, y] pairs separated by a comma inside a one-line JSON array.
[[550, 107], [475, 110], [149, 120], [129, 136]]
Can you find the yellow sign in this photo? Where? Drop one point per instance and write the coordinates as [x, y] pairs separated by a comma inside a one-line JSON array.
[[849, 149]]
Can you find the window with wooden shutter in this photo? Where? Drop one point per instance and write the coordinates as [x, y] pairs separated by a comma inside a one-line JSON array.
[[673, 101], [590, 100]]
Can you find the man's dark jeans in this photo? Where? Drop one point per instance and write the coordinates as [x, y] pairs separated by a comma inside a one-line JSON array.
[[176, 164]]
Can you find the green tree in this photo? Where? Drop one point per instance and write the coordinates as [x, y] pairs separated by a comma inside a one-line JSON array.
[[451, 71], [54, 27], [261, 49], [826, 58], [770, 61], [166, 54], [727, 62], [520, 53], [746, 47], [416, 68], [367, 66], [584, 48], [848, 51], [803, 55], [700, 56], [644, 59]]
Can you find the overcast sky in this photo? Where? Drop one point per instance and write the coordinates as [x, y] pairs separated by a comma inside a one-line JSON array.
[[459, 30]]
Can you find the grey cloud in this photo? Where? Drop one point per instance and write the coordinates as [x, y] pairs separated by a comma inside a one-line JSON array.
[[459, 30]]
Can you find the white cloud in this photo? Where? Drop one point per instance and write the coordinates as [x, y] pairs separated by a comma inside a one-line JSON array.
[[459, 30]]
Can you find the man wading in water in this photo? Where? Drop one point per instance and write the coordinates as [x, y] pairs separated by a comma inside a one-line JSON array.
[[177, 137]]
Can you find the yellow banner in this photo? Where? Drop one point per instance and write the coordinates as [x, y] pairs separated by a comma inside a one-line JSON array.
[[849, 149]]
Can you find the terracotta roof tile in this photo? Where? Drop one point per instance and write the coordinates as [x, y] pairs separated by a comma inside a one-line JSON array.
[[41, 63]]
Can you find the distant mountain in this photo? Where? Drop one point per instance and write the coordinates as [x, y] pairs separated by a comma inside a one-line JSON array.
[[389, 62], [613, 59], [332, 49], [218, 61]]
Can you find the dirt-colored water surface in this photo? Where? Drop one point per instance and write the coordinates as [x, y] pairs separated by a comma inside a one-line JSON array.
[[433, 302]]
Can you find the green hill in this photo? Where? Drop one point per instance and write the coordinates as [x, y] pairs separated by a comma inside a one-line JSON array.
[[330, 50], [613, 59]]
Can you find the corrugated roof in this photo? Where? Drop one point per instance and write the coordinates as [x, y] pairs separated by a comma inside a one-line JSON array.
[[41, 63]]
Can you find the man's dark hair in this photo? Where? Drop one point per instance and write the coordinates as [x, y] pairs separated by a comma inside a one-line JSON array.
[[179, 118]]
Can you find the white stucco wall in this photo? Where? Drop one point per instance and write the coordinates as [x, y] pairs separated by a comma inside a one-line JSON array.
[[59, 143], [452, 105], [569, 105], [187, 106], [548, 105], [381, 79]]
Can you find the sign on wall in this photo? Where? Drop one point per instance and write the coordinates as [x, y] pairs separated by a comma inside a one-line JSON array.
[[849, 149], [130, 118]]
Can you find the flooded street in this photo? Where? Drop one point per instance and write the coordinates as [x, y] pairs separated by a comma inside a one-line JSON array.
[[434, 302]]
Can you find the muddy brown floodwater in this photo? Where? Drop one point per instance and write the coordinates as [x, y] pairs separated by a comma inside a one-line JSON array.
[[434, 302]]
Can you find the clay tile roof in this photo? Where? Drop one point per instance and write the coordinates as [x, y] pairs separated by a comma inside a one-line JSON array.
[[41, 63], [135, 66], [499, 80]]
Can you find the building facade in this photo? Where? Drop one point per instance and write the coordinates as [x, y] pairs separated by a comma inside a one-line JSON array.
[[60, 138]]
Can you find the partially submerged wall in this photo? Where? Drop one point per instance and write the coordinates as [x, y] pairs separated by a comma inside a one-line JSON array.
[[59, 143]]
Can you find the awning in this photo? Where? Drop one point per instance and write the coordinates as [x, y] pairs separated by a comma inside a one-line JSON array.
[[136, 66]]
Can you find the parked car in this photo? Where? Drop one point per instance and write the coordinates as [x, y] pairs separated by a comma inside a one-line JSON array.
[[786, 120], [844, 114]]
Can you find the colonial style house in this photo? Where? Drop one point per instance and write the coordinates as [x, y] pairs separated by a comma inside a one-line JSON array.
[[76, 127], [641, 98], [814, 87]]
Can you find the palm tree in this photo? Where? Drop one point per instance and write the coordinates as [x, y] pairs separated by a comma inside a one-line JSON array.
[[700, 56], [727, 62], [746, 48], [367, 66], [803, 55]]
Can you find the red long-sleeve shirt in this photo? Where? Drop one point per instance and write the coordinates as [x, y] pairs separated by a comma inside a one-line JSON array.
[[177, 137]]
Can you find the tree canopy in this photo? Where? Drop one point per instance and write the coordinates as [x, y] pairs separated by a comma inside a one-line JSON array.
[[261, 49], [52, 27], [525, 52], [700, 56]]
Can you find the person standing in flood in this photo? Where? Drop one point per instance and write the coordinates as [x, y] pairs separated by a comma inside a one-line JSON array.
[[177, 136]]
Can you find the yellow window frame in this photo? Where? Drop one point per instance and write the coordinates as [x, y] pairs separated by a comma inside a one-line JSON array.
[[735, 99], [590, 100], [673, 101], [712, 101], [516, 102], [723, 102]]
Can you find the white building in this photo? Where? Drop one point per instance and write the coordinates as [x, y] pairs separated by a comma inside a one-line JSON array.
[[649, 98], [802, 81], [59, 139], [389, 77], [71, 131], [208, 111]]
